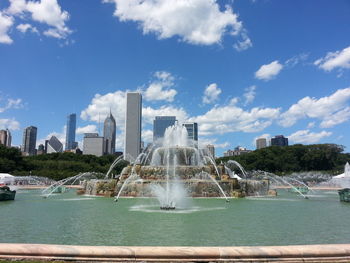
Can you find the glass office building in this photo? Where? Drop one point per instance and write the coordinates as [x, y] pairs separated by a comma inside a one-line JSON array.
[[192, 130], [70, 132], [159, 126]]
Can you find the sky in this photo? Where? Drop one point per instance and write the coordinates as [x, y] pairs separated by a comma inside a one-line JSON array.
[[241, 69]]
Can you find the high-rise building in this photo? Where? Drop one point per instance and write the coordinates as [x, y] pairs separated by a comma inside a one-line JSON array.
[[109, 132], [70, 132], [160, 123], [192, 130], [5, 138], [93, 144], [133, 120], [211, 150], [29, 140], [279, 140], [261, 143], [54, 145]]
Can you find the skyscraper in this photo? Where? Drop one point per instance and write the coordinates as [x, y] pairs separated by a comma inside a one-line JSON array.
[[5, 138], [279, 140], [93, 144], [261, 143], [70, 132], [109, 131], [192, 130], [29, 140], [54, 145], [133, 125], [159, 126], [211, 150]]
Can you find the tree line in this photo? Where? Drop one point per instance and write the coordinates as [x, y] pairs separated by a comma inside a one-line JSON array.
[[56, 166], [274, 159], [294, 158]]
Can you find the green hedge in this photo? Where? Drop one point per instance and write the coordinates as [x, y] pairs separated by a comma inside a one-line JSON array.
[[56, 165], [294, 158]]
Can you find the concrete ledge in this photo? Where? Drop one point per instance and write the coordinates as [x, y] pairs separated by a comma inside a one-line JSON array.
[[304, 253]]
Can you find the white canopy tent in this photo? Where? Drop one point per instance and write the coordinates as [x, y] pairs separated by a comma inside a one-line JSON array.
[[6, 179]]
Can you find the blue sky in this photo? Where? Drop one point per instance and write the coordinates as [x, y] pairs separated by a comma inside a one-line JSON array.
[[241, 69]]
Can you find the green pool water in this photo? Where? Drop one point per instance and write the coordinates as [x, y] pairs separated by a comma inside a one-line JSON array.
[[70, 219]]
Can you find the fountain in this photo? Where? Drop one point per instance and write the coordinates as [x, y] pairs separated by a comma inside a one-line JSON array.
[[168, 171], [339, 181], [59, 186], [176, 169], [346, 173]]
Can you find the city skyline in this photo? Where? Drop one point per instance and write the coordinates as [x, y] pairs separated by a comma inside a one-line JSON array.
[[269, 68]]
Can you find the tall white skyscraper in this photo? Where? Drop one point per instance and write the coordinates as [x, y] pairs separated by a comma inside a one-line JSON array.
[[133, 119]]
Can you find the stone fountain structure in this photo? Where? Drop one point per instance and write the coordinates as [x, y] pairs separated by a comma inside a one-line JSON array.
[[176, 169]]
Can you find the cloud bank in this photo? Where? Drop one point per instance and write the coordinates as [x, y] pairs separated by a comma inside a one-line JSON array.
[[198, 22]]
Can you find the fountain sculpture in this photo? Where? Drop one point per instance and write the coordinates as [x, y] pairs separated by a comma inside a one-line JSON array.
[[174, 169]]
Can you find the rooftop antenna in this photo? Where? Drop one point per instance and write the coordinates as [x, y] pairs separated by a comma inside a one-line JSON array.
[[99, 124]]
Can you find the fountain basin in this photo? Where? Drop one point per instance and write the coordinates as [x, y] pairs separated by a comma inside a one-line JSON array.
[[301, 253]]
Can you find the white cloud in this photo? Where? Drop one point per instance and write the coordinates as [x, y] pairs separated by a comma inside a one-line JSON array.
[[149, 114], [159, 89], [10, 124], [87, 129], [47, 12], [101, 104], [293, 61], [311, 125], [269, 71], [6, 23], [203, 142], [194, 21], [147, 136], [305, 136], [230, 118], [211, 94], [249, 95], [17, 7], [332, 110], [234, 101], [337, 59], [336, 118], [244, 44], [119, 141], [12, 104], [50, 13], [25, 27]]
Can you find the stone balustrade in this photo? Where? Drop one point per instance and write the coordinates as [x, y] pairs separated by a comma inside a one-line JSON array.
[[300, 253]]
